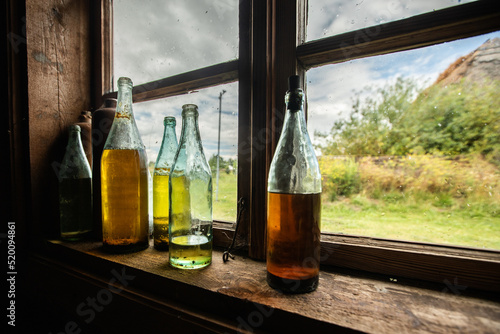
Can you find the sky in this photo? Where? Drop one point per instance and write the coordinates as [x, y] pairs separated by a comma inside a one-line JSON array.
[[155, 39]]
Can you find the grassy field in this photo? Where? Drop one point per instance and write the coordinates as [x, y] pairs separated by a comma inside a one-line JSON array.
[[427, 200], [225, 207], [467, 224]]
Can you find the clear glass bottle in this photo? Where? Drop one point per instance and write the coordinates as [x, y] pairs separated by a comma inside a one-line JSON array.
[[75, 189], [294, 203], [190, 191], [161, 175], [124, 180]]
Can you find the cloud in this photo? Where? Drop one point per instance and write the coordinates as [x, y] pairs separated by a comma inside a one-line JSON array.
[[328, 18], [155, 39]]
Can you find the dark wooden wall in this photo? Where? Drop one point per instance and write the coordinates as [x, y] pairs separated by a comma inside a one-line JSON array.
[[59, 75]]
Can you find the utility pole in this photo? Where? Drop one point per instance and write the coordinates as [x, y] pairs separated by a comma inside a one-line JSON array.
[[218, 145]]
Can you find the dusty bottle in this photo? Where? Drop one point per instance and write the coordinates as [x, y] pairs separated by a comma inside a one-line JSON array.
[[102, 119], [85, 124], [75, 189], [124, 180], [294, 203], [190, 192], [161, 174]]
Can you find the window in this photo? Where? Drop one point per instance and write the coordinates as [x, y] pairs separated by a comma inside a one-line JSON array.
[[153, 40], [157, 39], [269, 51], [407, 145]]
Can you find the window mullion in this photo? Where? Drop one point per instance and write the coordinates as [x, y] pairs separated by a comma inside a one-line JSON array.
[[276, 29]]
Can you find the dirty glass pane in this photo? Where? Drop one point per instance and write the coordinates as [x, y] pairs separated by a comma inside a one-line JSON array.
[[153, 39], [149, 117], [409, 143], [331, 17]]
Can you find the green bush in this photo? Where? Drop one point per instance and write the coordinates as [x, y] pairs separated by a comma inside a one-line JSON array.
[[340, 176], [437, 179]]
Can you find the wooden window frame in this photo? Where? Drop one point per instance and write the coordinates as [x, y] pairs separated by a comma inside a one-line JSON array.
[[474, 268], [269, 52], [56, 277]]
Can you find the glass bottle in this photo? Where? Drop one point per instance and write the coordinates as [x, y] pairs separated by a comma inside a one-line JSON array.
[[294, 203], [102, 119], [85, 124], [75, 189], [124, 180], [161, 174], [190, 191]]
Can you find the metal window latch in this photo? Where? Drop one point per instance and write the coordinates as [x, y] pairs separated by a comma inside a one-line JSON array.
[[227, 254]]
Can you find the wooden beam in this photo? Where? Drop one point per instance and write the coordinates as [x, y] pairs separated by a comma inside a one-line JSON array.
[[244, 187], [184, 83], [59, 81], [101, 29], [235, 295], [467, 267], [422, 30]]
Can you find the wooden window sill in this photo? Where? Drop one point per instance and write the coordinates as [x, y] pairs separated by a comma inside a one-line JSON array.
[[235, 296]]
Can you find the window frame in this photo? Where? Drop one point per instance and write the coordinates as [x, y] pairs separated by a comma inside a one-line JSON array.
[[271, 47]]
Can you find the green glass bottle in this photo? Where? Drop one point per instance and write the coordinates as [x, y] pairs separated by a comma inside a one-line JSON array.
[[124, 180], [190, 191], [75, 190], [294, 203], [161, 175]]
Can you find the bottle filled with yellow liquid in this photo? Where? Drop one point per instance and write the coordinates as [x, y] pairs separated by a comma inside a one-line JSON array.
[[161, 174], [124, 180], [190, 191]]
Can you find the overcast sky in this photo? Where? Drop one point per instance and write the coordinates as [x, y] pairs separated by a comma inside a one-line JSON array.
[[157, 38]]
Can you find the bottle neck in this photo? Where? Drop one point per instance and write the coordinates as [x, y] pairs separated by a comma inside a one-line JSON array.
[[295, 116], [124, 103], [294, 100], [169, 131], [124, 133], [74, 140], [190, 132], [169, 145]]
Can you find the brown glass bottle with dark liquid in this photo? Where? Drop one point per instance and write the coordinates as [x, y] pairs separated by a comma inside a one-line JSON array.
[[294, 203]]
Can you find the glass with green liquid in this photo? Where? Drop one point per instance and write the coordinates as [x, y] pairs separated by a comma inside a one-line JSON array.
[[190, 191], [161, 174]]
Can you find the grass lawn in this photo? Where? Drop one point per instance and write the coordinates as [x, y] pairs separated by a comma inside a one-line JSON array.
[[467, 224], [434, 220], [225, 207]]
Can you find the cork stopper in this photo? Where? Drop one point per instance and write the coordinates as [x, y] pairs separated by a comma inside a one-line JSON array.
[[294, 82]]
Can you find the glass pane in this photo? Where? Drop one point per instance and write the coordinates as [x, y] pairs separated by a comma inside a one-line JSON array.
[[155, 38], [149, 117], [409, 143], [331, 17]]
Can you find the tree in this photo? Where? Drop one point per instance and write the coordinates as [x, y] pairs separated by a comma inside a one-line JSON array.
[[374, 126], [456, 119], [213, 163]]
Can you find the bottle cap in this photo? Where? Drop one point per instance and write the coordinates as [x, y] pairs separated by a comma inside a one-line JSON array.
[[293, 82]]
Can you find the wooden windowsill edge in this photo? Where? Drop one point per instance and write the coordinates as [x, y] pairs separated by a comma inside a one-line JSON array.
[[235, 295]]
